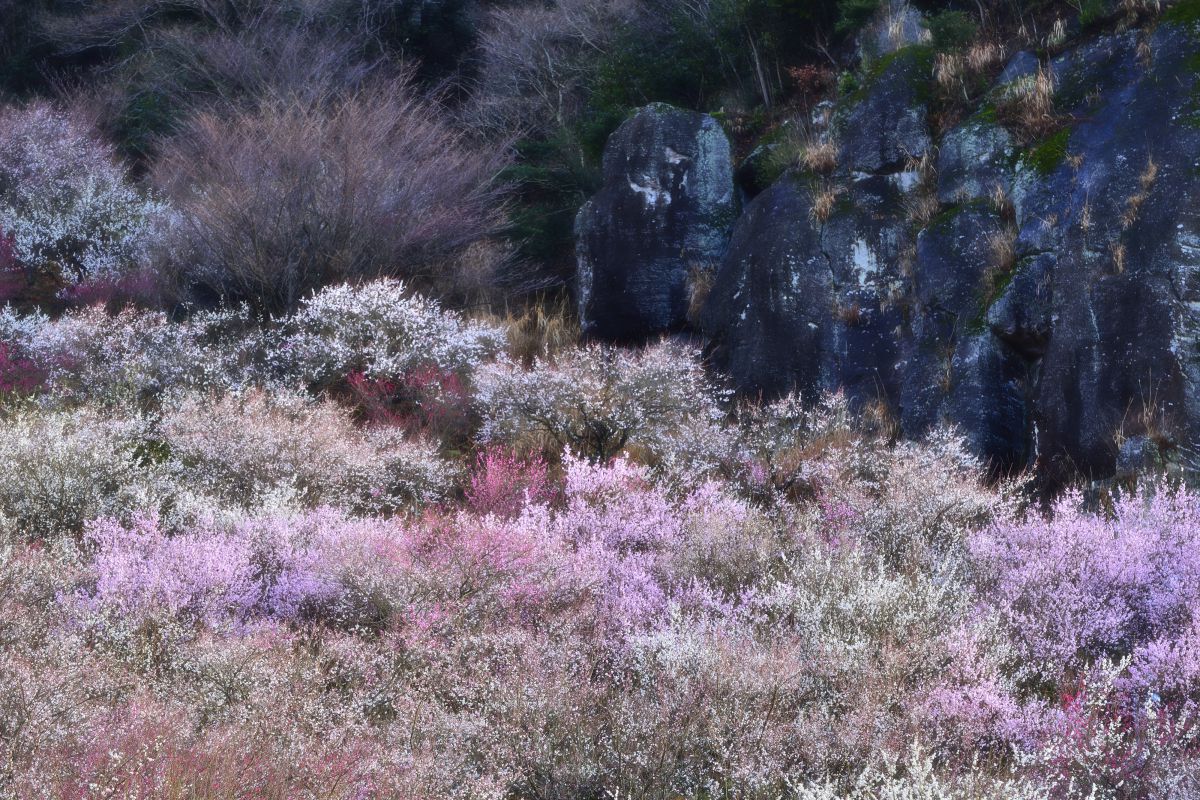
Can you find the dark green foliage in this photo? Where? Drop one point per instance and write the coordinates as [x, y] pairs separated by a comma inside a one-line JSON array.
[[19, 48], [1094, 12], [1049, 154], [682, 68], [853, 14], [952, 30], [689, 59], [438, 36], [551, 180], [1184, 12]]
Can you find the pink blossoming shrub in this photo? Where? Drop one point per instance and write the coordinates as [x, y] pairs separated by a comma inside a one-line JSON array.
[[274, 570], [140, 287], [503, 483], [1077, 586], [8, 251], [427, 401], [19, 374]]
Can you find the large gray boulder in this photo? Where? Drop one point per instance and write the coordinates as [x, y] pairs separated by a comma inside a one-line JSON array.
[[769, 308], [799, 304], [663, 215]]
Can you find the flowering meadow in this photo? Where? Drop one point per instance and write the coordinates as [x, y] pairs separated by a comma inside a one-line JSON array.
[[370, 550]]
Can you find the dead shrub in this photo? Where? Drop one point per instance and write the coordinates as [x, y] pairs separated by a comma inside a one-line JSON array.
[[294, 194], [535, 59]]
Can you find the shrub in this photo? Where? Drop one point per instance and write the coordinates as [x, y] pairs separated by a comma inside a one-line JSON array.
[[284, 199], [1076, 586], [136, 356], [239, 449], [951, 30], [65, 468], [279, 569], [597, 400], [19, 374], [383, 331], [67, 208], [535, 61], [502, 483]]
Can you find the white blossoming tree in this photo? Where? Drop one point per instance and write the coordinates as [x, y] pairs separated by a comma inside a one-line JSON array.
[[67, 208]]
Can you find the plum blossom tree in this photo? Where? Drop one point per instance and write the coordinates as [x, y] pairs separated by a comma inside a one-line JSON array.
[[68, 211]]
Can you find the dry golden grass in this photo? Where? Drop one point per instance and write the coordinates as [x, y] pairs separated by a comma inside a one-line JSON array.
[[921, 204], [1002, 250], [819, 156], [1145, 52], [1001, 202], [540, 331], [949, 70], [983, 57], [1134, 203], [700, 281], [802, 148], [1028, 107], [955, 72], [824, 202], [1136, 10], [1002, 260], [1118, 256], [1057, 35]]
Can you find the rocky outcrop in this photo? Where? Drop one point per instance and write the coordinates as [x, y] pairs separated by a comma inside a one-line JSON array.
[[954, 368], [1119, 211], [661, 218], [974, 162], [1050, 310], [807, 301]]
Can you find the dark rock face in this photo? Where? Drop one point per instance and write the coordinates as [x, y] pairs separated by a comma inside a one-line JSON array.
[[1022, 315], [773, 296], [797, 304], [664, 212], [889, 125], [974, 161], [955, 370], [1050, 311], [1121, 359], [1048, 336], [1023, 64]]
